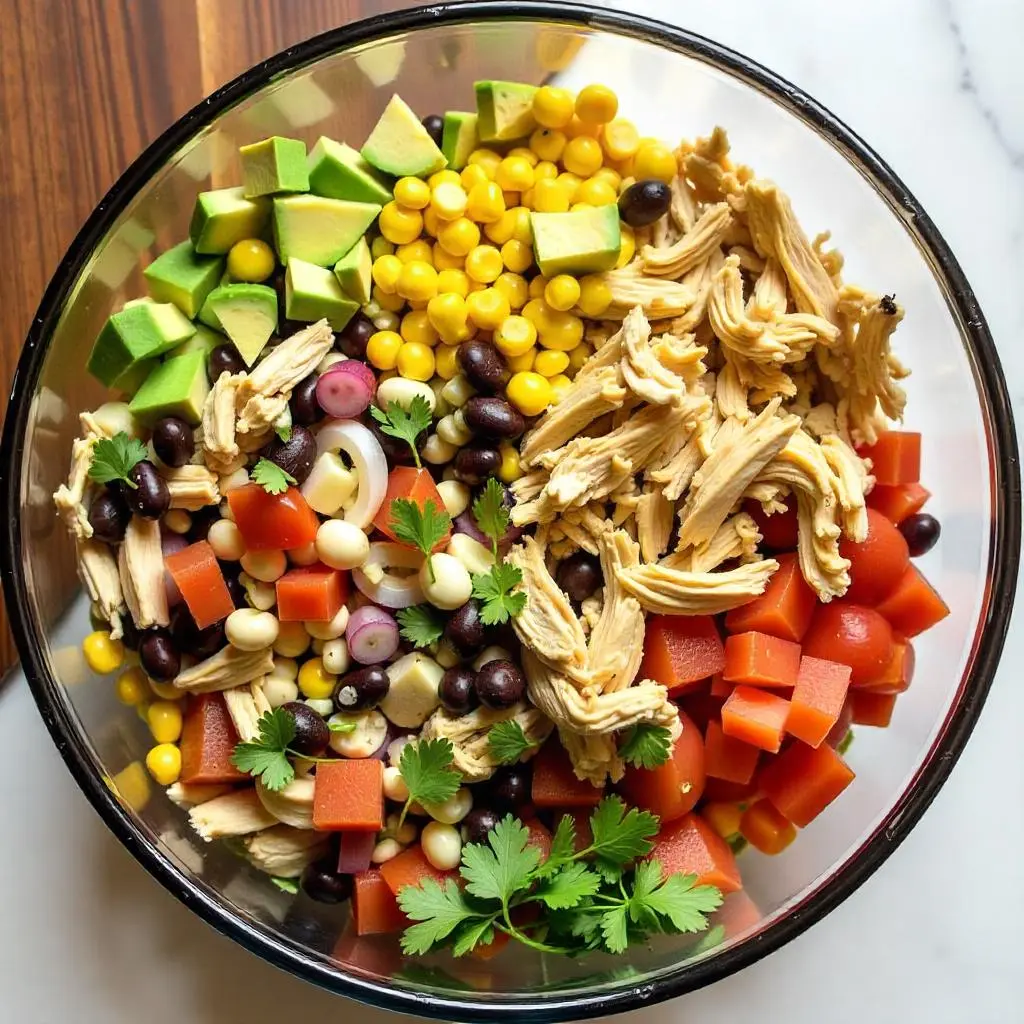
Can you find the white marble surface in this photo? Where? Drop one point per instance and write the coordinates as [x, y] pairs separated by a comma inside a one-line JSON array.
[[937, 934]]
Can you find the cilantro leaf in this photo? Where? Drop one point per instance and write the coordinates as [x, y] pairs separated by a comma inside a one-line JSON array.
[[271, 477], [426, 768], [614, 928], [567, 887], [420, 527], [646, 745], [620, 836], [708, 940], [438, 909], [115, 457], [845, 742], [677, 898], [508, 742], [563, 847], [266, 757], [283, 425], [420, 625], [290, 885], [472, 934], [405, 424], [500, 870], [495, 590], [341, 727], [490, 513]]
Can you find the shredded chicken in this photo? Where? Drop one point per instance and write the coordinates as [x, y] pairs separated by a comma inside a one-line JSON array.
[[239, 813], [667, 591], [191, 487], [644, 372], [737, 537], [246, 705], [70, 497], [660, 299], [226, 669], [97, 569], [140, 563], [188, 794], [220, 446], [654, 515], [693, 249], [283, 851], [292, 804]]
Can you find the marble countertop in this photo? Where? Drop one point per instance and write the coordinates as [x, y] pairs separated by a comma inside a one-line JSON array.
[[935, 87]]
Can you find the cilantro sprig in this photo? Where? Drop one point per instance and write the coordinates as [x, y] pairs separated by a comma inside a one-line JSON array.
[[404, 424], [420, 625], [427, 769], [496, 592], [114, 458], [267, 756], [271, 477], [508, 742], [646, 745], [596, 898], [422, 527], [490, 512]]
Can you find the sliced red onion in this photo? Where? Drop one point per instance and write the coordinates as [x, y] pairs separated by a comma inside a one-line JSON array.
[[392, 591], [346, 390], [368, 459], [381, 753], [372, 635], [170, 544], [355, 851], [466, 523]]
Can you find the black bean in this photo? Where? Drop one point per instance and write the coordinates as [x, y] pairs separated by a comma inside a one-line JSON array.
[[479, 824], [158, 655], [921, 532], [352, 338], [190, 639], [296, 455], [224, 357], [173, 441], [396, 451], [311, 732], [304, 407], [499, 685], [579, 576], [109, 517], [510, 787], [234, 584], [202, 519], [465, 629], [493, 419], [457, 691], [434, 123], [484, 366], [644, 202], [361, 689], [130, 633], [150, 497], [321, 882], [475, 463]]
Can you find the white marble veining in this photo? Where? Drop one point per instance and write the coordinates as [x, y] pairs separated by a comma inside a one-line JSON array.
[[937, 934]]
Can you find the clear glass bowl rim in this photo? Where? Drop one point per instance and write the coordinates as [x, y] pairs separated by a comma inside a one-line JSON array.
[[569, 1004]]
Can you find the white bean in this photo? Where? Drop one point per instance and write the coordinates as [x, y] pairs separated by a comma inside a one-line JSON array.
[[278, 690], [331, 629], [492, 653], [323, 706], [441, 407], [317, 646], [226, 540], [306, 555], [292, 640], [371, 729], [402, 392], [395, 748], [446, 656], [405, 834], [385, 850], [329, 360], [386, 321], [372, 309], [261, 596], [394, 785], [455, 496], [266, 566], [250, 630], [442, 845], [115, 417], [450, 586], [232, 481], [448, 473], [329, 484], [285, 668], [177, 520], [341, 545], [436, 451], [336, 657], [458, 391], [225, 511], [454, 809], [471, 553], [450, 430]]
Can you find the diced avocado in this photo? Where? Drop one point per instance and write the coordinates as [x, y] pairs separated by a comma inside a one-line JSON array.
[[274, 165], [177, 387], [353, 272], [134, 335], [311, 293], [204, 340], [578, 242], [183, 277], [224, 216], [459, 138], [247, 314], [319, 230], [504, 110], [337, 171], [400, 145]]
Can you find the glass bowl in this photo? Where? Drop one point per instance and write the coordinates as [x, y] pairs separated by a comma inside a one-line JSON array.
[[672, 84]]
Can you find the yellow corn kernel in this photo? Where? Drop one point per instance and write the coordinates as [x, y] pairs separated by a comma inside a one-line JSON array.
[[514, 174], [524, 362], [545, 171], [517, 256], [571, 183], [431, 222], [550, 196], [446, 361], [416, 327], [166, 691], [102, 654], [654, 160], [582, 156], [448, 200], [315, 682], [391, 301], [415, 361], [418, 281], [380, 246], [444, 177], [459, 236], [525, 152], [723, 817], [553, 107], [626, 169], [419, 250], [509, 471], [131, 786], [501, 230], [484, 264], [550, 363], [412, 193], [487, 159], [580, 206], [628, 246], [514, 336], [251, 259], [537, 286], [514, 288], [559, 386], [578, 356], [453, 281], [596, 103], [471, 176], [561, 331], [385, 273], [597, 192], [447, 313], [486, 203], [382, 349], [539, 313], [487, 308], [620, 140], [595, 296], [522, 230], [164, 763], [609, 176], [131, 687], [164, 720], [577, 128], [562, 292], [399, 224], [529, 392], [526, 199], [512, 198], [444, 260], [548, 143]]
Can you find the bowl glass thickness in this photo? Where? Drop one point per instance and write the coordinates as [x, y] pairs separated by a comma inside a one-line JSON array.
[[674, 86]]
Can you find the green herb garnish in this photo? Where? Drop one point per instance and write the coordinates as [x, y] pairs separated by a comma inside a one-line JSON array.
[[405, 424], [289, 885], [420, 625], [271, 477], [490, 513], [341, 728], [646, 745], [114, 458], [508, 742], [266, 757], [426, 768], [422, 527], [495, 589]]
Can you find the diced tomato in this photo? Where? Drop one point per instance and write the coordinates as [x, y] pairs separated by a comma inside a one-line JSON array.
[[555, 783], [818, 699], [728, 758], [377, 954], [871, 708], [349, 796], [719, 687], [898, 673], [673, 788], [272, 522], [197, 574], [413, 485], [765, 828], [913, 606], [755, 717], [838, 731], [783, 610], [375, 910], [681, 651], [898, 501], [722, 791], [701, 706], [492, 948], [802, 781], [723, 817], [410, 867], [758, 659], [895, 457], [737, 914], [584, 834], [540, 837], [208, 740], [779, 531], [877, 562], [690, 846], [852, 635], [311, 593]]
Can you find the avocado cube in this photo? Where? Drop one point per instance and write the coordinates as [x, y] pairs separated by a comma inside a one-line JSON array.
[[459, 138], [400, 145], [353, 272], [504, 110], [204, 340], [274, 165], [183, 277], [577, 242], [136, 334], [312, 293], [247, 314], [224, 216], [177, 387], [337, 171], [319, 230]]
